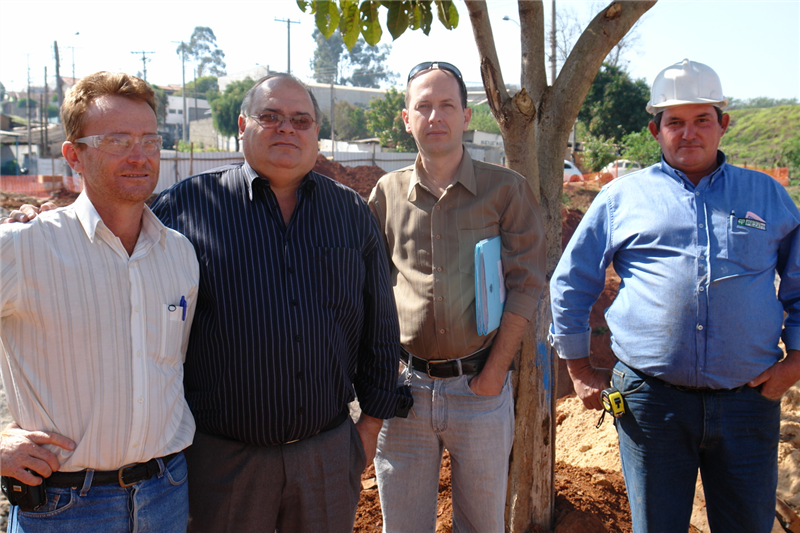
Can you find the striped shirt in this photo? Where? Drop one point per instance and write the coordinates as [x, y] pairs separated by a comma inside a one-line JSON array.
[[91, 348], [431, 242], [290, 318]]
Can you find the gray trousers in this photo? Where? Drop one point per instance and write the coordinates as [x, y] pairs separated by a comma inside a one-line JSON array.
[[310, 486]]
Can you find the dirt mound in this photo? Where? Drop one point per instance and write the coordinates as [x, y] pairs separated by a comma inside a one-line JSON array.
[[362, 179]]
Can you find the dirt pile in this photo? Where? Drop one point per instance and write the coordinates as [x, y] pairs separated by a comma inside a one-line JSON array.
[[362, 179]]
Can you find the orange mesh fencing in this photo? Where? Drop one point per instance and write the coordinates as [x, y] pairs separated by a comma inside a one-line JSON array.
[[781, 174], [40, 186]]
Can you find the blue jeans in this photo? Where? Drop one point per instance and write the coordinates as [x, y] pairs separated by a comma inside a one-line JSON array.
[[666, 435], [477, 431], [157, 505]]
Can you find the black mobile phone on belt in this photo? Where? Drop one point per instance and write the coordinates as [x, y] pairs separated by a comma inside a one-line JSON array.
[[27, 497]]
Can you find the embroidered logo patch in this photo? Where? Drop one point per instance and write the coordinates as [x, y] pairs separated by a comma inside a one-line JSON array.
[[750, 223]]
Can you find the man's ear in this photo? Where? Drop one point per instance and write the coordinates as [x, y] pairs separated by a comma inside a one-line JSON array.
[[70, 153], [653, 129], [467, 117], [405, 120], [726, 120], [242, 120]]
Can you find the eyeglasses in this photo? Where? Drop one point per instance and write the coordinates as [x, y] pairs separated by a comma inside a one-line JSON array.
[[273, 120], [440, 65], [121, 144]]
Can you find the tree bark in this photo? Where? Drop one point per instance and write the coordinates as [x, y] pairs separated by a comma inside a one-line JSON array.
[[535, 124]]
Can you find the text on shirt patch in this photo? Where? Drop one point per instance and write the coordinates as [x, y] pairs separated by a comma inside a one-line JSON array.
[[750, 223]]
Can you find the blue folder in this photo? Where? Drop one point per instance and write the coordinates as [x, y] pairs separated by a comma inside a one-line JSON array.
[[490, 286]]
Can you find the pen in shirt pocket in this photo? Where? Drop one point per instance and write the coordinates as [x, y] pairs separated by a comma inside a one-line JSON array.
[[733, 217], [183, 305]]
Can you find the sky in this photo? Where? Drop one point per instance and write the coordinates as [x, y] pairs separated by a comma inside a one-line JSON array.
[[754, 46]]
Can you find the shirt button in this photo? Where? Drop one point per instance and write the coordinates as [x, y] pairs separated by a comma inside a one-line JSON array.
[[439, 299], [439, 269], [139, 353], [697, 193], [702, 258], [135, 444], [300, 375], [294, 303], [136, 308], [702, 289], [291, 269], [438, 237], [441, 331], [438, 208], [140, 400], [701, 226], [699, 327], [301, 411], [297, 338]]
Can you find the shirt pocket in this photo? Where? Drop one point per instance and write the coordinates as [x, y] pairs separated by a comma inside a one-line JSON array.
[[341, 275], [467, 239], [750, 248], [172, 331]]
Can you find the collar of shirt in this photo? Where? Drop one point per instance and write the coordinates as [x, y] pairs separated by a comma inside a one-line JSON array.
[[153, 231], [681, 178], [465, 175], [249, 175]]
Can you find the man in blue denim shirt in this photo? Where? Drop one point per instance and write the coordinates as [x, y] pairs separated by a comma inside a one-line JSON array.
[[696, 324]]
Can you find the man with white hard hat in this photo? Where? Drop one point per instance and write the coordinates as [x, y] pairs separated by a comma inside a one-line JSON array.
[[696, 324]]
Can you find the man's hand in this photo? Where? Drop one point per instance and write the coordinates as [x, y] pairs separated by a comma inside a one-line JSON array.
[[588, 382], [777, 379], [490, 380], [368, 429], [26, 213], [21, 449]]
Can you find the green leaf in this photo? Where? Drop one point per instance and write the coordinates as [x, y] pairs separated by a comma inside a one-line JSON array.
[[327, 17], [349, 23], [370, 24], [303, 4], [448, 14], [425, 20], [397, 18]]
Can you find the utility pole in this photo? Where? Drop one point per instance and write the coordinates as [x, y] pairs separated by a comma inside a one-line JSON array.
[[59, 88], [184, 132], [144, 62], [45, 116], [289, 23], [28, 112]]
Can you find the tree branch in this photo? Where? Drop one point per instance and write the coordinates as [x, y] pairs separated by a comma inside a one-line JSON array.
[[602, 34]]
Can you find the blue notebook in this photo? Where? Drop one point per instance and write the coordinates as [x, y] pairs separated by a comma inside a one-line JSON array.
[[490, 286]]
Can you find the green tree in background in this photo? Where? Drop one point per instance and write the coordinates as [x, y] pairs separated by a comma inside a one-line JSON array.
[[790, 153], [615, 104], [598, 151], [640, 146], [363, 66], [225, 108], [351, 122], [161, 103], [204, 87], [385, 120], [203, 52], [483, 120]]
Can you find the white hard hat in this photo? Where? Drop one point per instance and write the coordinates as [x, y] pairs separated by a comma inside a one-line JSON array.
[[687, 82]]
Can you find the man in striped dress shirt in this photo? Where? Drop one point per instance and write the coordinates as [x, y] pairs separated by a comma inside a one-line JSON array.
[[295, 314], [96, 304]]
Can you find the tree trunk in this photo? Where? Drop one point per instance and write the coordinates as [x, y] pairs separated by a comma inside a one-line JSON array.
[[535, 124]]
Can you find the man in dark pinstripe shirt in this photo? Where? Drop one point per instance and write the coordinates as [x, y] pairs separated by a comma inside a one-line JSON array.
[[295, 311]]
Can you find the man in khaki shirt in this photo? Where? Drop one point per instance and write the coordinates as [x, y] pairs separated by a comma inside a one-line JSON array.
[[432, 214]]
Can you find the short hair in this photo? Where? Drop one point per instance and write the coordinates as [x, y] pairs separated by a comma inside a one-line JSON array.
[[97, 85], [250, 95], [660, 114], [462, 87]]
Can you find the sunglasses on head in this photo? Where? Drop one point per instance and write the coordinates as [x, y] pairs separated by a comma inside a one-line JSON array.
[[440, 65]]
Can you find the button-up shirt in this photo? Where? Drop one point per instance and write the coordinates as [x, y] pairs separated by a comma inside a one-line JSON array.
[[697, 301], [431, 245], [93, 340], [289, 317]]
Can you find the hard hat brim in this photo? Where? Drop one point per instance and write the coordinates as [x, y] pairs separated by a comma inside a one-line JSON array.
[[656, 109]]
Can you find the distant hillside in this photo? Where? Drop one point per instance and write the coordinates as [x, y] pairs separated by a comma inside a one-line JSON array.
[[755, 136]]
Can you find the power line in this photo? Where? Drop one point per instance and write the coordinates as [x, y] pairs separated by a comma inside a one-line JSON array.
[[145, 59]]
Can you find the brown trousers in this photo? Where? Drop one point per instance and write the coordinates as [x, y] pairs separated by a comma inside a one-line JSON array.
[[310, 486]]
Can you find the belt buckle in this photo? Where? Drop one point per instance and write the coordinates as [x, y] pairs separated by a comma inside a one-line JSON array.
[[428, 366], [121, 472]]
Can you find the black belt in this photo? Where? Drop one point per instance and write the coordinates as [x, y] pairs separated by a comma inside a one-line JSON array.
[[124, 477], [447, 368]]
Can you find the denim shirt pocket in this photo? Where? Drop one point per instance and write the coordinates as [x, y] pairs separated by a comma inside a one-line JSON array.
[[749, 247]]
